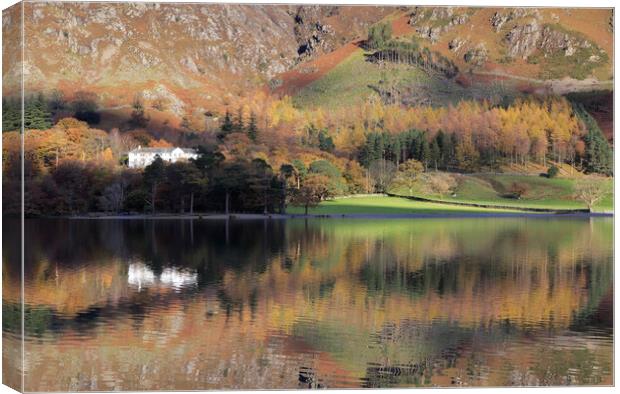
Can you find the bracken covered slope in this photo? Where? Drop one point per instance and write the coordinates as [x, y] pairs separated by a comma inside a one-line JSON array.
[[204, 57], [541, 50], [190, 53]]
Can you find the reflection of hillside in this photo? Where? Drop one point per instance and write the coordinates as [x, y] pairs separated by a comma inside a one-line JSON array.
[[169, 304]]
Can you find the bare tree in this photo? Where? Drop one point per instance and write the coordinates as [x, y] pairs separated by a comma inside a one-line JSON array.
[[440, 184], [112, 198], [590, 191], [382, 172]]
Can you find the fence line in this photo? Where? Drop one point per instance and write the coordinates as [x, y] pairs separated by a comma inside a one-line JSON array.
[[467, 204]]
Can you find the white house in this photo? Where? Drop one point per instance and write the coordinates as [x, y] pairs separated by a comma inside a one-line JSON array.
[[142, 157]]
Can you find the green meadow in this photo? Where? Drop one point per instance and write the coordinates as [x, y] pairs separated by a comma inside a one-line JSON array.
[[384, 205], [484, 189]]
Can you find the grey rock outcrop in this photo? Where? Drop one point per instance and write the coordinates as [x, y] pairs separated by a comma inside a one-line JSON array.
[[456, 44], [523, 40], [554, 40], [311, 34], [432, 23], [500, 18]]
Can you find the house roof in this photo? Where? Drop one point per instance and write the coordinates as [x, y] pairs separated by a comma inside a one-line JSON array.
[[161, 150]]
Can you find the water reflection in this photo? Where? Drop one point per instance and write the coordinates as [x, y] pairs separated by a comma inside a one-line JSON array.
[[141, 276], [171, 304]]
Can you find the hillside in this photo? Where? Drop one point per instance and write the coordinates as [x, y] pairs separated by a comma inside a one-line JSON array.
[[290, 104], [495, 54], [502, 51], [198, 58], [192, 57]]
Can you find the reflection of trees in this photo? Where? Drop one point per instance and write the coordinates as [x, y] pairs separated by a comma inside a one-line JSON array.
[[493, 272], [357, 292]]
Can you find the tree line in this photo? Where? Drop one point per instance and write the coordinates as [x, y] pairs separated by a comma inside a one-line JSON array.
[[386, 49], [210, 183], [294, 157], [42, 111]]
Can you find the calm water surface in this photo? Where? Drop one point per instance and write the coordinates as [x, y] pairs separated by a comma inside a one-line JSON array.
[[180, 304]]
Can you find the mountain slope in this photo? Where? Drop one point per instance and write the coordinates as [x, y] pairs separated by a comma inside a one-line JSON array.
[[194, 54], [496, 60], [528, 50], [192, 59]]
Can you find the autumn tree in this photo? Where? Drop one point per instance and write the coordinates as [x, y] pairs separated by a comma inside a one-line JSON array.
[[313, 190], [408, 174], [466, 155], [336, 183], [160, 143]]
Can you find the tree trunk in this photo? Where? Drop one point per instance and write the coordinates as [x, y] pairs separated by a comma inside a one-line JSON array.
[[227, 202], [153, 194], [283, 198], [191, 203], [306, 207]]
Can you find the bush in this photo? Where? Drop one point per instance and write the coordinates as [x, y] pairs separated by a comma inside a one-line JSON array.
[[440, 184], [552, 172], [517, 190]]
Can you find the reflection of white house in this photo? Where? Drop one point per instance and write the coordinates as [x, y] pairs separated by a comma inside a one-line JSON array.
[[142, 157], [141, 276]]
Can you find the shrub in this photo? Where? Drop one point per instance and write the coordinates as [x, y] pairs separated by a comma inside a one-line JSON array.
[[552, 172], [518, 190]]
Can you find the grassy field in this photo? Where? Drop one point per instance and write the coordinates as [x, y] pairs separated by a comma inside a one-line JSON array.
[[484, 189], [387, 206], [350, 83], [354, 79], [490, 189]]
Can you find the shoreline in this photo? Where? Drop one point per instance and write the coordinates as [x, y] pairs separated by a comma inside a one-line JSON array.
[[251, 216]]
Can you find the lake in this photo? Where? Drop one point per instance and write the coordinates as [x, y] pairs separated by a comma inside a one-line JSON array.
[[206, 304]]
